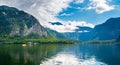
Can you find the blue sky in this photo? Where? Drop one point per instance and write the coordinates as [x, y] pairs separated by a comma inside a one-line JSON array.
[[90, 15], [70, 13]]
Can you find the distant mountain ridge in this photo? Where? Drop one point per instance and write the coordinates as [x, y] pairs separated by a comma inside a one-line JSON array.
[[107, 31], [77, 34]]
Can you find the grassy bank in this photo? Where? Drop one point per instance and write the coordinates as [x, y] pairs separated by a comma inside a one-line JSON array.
[[23, 40]]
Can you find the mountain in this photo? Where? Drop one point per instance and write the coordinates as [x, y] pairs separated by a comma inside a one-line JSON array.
[[107, 31], [55, 34], [14, 21], [78, 34], [20, 27], [71, 35]]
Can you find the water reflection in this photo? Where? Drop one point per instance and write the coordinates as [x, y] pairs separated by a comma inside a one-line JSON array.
[[60, 54], [107, 53], [29, 55], [69, 59]]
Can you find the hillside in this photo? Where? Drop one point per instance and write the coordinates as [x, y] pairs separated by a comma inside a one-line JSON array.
[[20, 27], [79, 34], [14, 21], [107, 31]]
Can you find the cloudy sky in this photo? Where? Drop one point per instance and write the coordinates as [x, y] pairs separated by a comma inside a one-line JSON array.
[[69, 13]]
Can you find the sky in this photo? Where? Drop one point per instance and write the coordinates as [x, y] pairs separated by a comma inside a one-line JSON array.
[[68, 13]]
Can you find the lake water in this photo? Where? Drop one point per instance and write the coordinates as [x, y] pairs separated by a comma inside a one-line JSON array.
[[60, 54]]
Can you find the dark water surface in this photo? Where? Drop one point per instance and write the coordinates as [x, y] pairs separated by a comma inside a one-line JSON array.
[[60, 54]]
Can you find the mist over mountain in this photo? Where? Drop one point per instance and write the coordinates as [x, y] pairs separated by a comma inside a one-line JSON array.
[[78, 33]]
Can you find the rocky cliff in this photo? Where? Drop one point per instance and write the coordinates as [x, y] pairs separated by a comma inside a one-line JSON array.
[[14, 21]]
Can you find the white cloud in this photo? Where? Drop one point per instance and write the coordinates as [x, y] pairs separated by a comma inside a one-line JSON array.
[[70, 26], [65, 14], [79, 1], [100, 6], [33, 5], [46, 11]]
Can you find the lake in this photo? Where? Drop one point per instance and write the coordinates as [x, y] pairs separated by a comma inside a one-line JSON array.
[[60, 54]]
